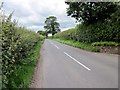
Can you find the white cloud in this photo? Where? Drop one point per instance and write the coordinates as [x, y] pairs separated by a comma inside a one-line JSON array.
[[32, 13], [35, 28]]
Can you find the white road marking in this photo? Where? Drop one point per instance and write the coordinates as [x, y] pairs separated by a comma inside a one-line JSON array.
[[77, 61], [56, 46]]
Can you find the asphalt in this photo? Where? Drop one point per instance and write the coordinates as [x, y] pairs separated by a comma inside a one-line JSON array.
[[65, 66]]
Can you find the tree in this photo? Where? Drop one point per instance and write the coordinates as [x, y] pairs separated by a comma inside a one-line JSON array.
[[52, 26], [116, 16], [90, 12], [1, 5], [44, 33]]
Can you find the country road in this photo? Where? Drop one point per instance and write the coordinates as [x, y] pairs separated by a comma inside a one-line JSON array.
[[63, 66]]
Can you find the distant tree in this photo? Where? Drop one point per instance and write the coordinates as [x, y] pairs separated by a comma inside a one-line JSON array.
[[52, 26], [44, 33], [90, 12], [1, 5], [41, 32]]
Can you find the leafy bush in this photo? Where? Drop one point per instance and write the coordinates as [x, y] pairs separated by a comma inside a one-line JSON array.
[[17, 42], [101, 31], [105, 44], [69, 34], [98, 32], [22, 76]]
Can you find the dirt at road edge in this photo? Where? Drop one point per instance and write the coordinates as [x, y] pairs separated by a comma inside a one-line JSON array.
[[37, 76]]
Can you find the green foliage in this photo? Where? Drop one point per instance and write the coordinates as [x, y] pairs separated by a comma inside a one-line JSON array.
[[49, 37], [105, 44], [100, 31], [52, 26], [81, 45], [44, 34], [17, 42], [69, 34], [116, 16], [91, 12], [100, 21], [1, 5], [22, 76]]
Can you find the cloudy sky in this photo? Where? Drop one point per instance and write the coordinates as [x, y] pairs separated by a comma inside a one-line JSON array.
[[32, 13]]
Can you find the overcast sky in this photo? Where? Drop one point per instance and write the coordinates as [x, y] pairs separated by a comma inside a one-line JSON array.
[[32, 13]]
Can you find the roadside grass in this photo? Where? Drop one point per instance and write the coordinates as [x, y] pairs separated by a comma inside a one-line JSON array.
[[22, 76], [107, 43], [80, 45]]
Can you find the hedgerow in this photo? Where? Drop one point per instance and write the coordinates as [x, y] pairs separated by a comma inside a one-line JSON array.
[[70, 34], [98, 32], [17, 42]]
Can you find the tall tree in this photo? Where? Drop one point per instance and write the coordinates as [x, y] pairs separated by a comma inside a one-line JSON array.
[[90, 12], [52, 26]]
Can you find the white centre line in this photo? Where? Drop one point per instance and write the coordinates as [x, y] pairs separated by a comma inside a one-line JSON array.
[[57, 47], [77, 61]]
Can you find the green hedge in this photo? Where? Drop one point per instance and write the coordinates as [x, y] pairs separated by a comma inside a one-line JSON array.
[[109, 30], [22, 76], [69, 34], [98, 32], [17, 42]]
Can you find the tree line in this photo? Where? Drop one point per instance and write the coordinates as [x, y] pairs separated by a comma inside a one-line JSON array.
[[99, 21]]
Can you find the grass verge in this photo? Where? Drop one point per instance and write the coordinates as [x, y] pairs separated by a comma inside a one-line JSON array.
[[22, 76], [106, 44], [80, 45]]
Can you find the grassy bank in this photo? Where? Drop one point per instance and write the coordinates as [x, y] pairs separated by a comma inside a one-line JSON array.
[[80, 45], [22, 76]]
